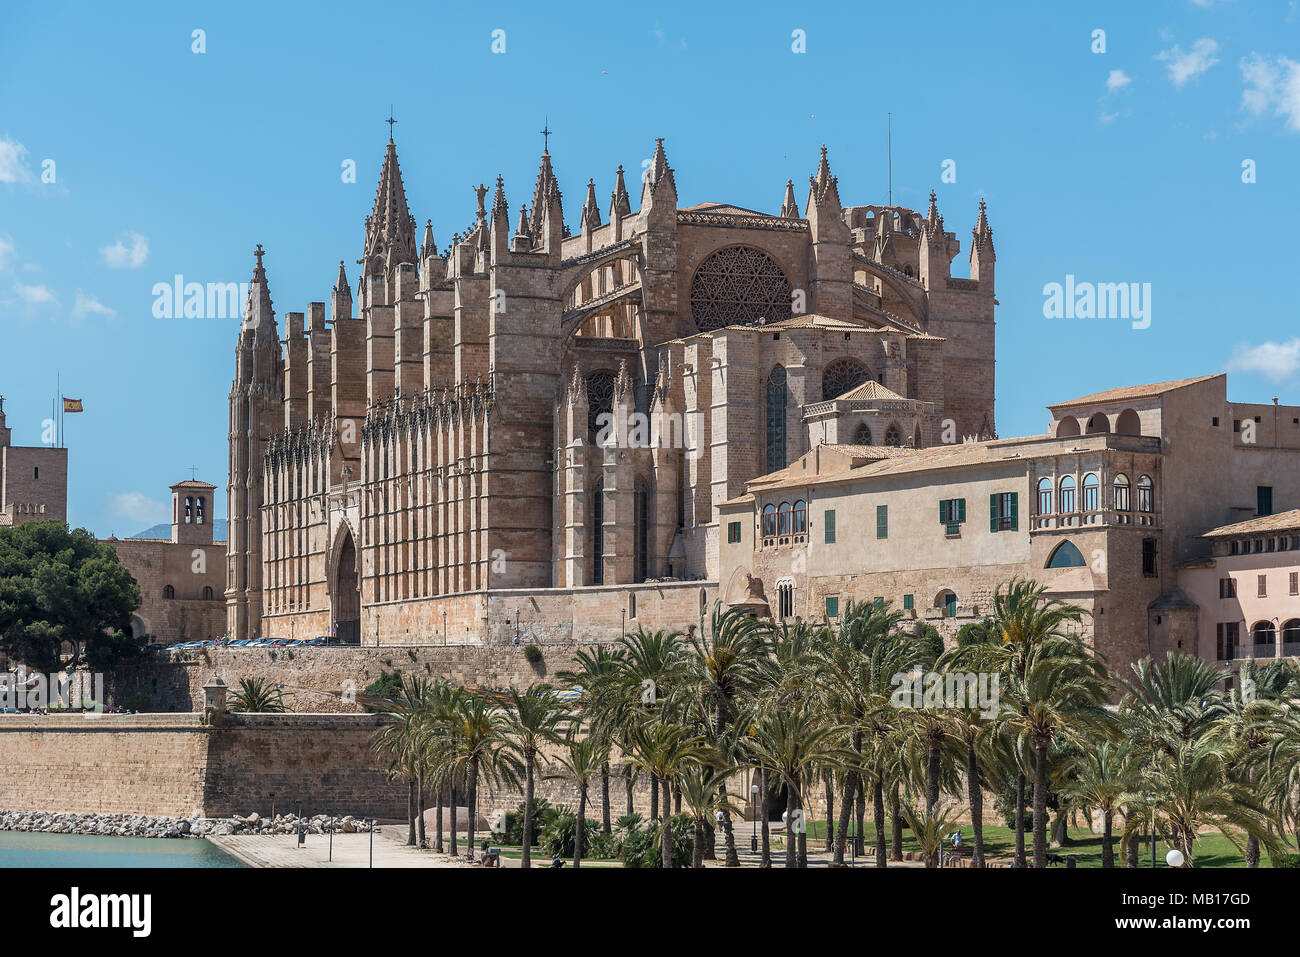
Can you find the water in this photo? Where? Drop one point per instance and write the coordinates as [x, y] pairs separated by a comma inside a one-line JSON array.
[[21, 849]]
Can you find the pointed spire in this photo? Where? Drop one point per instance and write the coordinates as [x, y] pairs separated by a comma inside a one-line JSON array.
[[545, 193], [789, 208], [982, 233], [259, 314], [622, 384], [499, 204], [619, 203], [577, 386], [429, 249], [932, 213], [590, 211], [660, 171], [824, 186], [390, 229], [522, 228], [341, 284]]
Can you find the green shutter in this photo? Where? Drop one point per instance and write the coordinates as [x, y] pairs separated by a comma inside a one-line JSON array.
[[993, 512], [908, 602], [829, 521], [961, 510], [882, 521], [832, 606], [1015, 511], [943, 511]]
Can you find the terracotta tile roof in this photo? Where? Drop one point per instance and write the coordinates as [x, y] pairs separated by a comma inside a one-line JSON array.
[[724, 208], [1127, 392], [812, 320], [870, 390], [1281, 522], [746, 499]]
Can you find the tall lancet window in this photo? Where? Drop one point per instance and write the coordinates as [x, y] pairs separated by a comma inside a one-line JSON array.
[[776, 419], [641, 536], [598, 534]]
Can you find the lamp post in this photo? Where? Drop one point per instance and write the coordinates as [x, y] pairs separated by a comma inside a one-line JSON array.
[[372, 842], [623, 626], [329, 826], [1153, 833], [753, 837], [272, 805], [444, 627]]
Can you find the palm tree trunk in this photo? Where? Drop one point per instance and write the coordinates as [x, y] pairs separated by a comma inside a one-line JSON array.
[[878, 808], [1040, 804], [438, 836], [896, 820], [766, 858], [830, 811], [454, 852], [710, 841], [1020, 818], [419, 812], [627, 782], [697, 849], [803, 823], [581, 829], [1107, 826], [527, 859], [791, 858], [667, 800], [472, 802], [932, 778], [654, 799], [860, 812], [1252, 851], [846, 813], [728, 832], [1130, 847], [677, 799], [604, 799], [410, 811], [976, 795], [666, 840]]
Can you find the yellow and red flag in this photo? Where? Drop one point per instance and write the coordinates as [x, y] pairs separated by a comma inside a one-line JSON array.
[[72, 405]]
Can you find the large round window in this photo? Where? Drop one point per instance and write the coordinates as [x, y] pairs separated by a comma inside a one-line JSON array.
[[738, 286]]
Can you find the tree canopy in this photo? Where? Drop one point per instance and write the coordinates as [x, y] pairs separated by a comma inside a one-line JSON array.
[[59, 585]]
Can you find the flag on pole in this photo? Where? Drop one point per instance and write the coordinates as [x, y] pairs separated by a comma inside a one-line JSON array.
[[72, 405]]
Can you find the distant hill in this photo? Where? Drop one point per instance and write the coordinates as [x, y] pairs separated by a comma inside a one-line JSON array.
[[165, 531]]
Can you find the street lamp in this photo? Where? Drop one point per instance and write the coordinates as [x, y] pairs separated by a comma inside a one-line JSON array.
[[329, 826], [623, 626], [372, 842], [1152, 802], [753, 837]]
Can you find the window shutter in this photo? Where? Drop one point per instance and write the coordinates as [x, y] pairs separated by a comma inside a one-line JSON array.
[[829, 520], [943, 511], [961, 510], [993, 512], [1219, 640], [1015, 512], [882, 521]]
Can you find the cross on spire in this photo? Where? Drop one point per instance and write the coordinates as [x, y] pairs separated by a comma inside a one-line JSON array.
[[258, 253], [390, 121], [546, 135], [194, 472]]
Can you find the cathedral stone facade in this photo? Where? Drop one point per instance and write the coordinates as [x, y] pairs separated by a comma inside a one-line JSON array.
[[531, 430]]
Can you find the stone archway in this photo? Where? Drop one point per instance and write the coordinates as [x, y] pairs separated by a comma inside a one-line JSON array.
[[345, 589]]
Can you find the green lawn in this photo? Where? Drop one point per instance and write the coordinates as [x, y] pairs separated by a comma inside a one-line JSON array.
[[1211, 850]]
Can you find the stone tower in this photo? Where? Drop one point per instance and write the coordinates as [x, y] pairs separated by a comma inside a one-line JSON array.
[[255, 413]]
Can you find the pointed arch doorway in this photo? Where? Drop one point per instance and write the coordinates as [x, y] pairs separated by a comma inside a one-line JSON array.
[[345, 592]]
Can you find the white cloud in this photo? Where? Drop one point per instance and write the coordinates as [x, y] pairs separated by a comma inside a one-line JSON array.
[[139, 508], [1272, 86], [1187, 66], [6, 250], [13, 162], [89, 305], [1275, 360], [33, 294], [123, 256], [1117, 80]]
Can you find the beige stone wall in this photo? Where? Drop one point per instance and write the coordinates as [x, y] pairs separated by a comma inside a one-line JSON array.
[[188, 569], [33, 484]]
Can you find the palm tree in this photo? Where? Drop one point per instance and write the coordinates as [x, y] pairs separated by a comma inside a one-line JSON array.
[[666, 750], [583, 757], [257, 695], [595, 672], [398, 737], [704, 794], [929, 828], [727, 668], [1103, 775], [1056, 697], [532, 721], [478, 748]]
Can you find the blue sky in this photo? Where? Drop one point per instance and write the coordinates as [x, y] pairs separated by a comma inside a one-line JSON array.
[[1122, 166]]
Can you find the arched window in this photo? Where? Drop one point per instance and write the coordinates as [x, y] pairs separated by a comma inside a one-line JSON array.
[[892, 436], [862, 435], [1265, 635], [783, 519], [598, 534], [1067, 494], [738, 286], [947, 600], [169, 592], [1067, 426], [842, 375], [1098, 424], [208, 594], [1121, 493], [1291, 637], [776, 419], [641, 536], [769, 521], [1044, 496], [1091, 492], [1128, 423], [800, 517], [1146, 494], [1066, 555], [600, 399], [199, 515]]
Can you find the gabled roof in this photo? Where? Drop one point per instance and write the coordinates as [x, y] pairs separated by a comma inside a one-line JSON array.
[[1125, 393], [1281, 522], [724, 208], [870, 390]]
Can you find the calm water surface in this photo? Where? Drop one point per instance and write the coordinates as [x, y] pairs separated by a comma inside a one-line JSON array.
[[21, 849]]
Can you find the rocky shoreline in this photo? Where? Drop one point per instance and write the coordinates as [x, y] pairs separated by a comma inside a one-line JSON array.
[[143, 825]]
